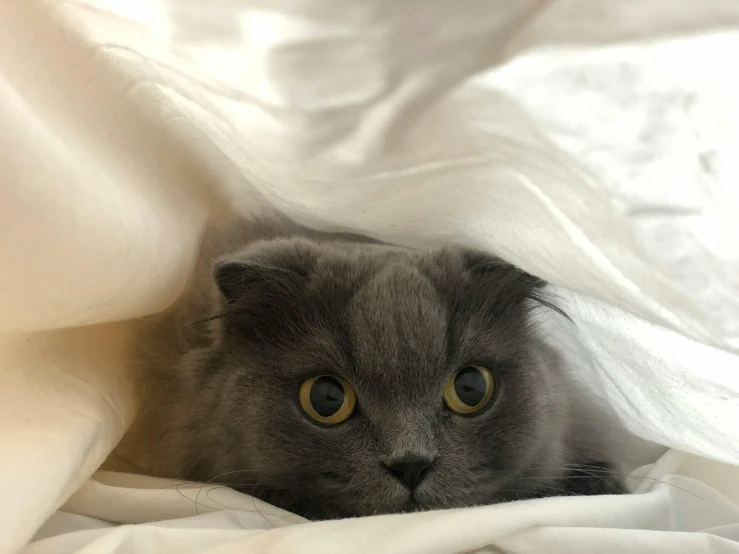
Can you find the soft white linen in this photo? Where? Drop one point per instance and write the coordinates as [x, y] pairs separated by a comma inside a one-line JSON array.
[[675, 512], [597, 147]]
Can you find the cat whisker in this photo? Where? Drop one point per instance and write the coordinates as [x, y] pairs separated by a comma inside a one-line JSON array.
[[194, 501], [557, 489], [534, 478], [557, 467], [211, 480], [209, 489], [209, 497], [254, 503], [591, 475], [662, 481], [528, 494], [230, 473]]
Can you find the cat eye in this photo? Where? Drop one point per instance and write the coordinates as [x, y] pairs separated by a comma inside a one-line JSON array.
[[469, 389], [327, 399]]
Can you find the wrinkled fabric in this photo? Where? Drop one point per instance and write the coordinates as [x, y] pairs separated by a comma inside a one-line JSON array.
[[593, 144], [667, 511]]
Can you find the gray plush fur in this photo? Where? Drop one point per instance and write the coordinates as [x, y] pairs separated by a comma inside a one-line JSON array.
[[272, 305]]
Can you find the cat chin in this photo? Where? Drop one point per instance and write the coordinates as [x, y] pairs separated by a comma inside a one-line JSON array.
[[315, 513], [412, 504]]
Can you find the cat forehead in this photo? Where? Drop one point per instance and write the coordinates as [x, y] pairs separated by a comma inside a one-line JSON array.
[[389, 314], [397, 319], [377, 307]]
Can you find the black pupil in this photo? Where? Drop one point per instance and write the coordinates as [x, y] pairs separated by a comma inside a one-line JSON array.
[[470, 386], [326, 396]]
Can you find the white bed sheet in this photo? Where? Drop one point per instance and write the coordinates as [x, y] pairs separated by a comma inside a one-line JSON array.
[[595, 144], [672, 512]]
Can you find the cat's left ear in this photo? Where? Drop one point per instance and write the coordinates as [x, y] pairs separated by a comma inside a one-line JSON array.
[[481, 264], [509, 286]]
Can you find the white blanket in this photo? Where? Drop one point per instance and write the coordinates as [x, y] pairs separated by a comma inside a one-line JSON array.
[[593, 143]]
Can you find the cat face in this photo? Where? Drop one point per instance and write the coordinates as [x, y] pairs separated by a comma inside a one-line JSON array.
[[360, 379]]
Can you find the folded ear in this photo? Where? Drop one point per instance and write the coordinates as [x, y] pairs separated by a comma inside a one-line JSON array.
[[237, 278], [253, 287], [482, 265], [234, 277], [509, 285], [264, 291], [273, 265]]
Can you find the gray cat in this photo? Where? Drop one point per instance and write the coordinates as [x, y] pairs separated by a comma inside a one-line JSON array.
[[336, 376]]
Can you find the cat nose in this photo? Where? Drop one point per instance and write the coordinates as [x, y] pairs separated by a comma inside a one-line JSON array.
[[410, 472]]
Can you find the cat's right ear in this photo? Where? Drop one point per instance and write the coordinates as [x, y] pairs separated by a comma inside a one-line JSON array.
[[257, 295], [241, 280], [233, 278], [274, 271]]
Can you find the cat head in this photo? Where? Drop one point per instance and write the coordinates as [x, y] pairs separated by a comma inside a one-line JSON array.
[[354, 379]]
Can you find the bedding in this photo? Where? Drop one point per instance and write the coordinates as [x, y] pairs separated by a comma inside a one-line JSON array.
[[593, 144]]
